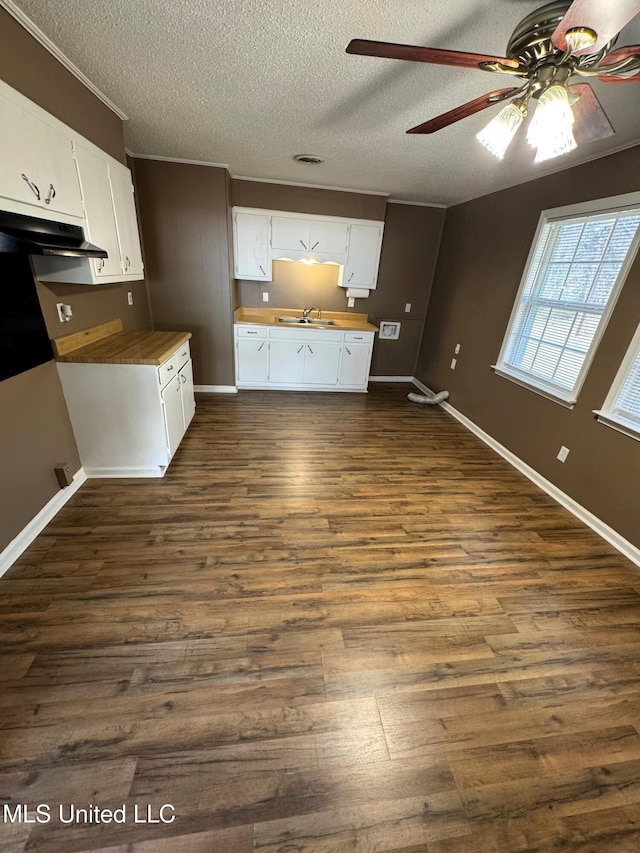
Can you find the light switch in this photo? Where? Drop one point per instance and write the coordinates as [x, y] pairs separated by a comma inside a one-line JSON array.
[[563, 453], [351, 302], [129, 297], [453, 363], [407, 308], [457, 349]]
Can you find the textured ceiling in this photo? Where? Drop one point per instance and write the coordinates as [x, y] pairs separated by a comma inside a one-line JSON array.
[[250, 83]]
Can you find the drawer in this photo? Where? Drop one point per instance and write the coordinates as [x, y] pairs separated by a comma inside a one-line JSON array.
[[251, 332], [168, 369], [304, 333], [358, 337], [183, 355]]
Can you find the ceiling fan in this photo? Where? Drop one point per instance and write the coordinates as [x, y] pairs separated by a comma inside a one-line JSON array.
[[547, 50]]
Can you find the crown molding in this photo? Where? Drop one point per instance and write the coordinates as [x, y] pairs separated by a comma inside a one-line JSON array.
[[308, 186], [416, 203], [55, 51], [178, 160]]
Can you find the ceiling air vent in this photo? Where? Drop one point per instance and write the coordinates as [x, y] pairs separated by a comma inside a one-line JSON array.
[[309, 159]]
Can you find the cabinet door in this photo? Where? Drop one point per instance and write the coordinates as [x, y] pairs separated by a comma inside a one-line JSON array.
[[354, 369], [363, 257], [93, 172], [36, 167], [329, 237], [188, 399], [251, 246], [252, 360], [286, 361], [126, 220], [290, 234], [321, 363], [61, 189], [174, 420]]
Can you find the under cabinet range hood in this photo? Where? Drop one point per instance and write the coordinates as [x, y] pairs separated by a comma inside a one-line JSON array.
[[26, 235]]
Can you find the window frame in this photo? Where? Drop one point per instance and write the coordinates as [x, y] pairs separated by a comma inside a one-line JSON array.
[[569, 397], [606, 415]]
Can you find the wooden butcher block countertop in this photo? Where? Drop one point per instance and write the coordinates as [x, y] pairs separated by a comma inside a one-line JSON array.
[[109, 344], [349, 322]]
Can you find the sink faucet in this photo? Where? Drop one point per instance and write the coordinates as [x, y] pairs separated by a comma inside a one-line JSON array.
[[308, 311]]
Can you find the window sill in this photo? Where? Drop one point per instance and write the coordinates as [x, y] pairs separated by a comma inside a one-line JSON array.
[[567, 402], [607, 420]]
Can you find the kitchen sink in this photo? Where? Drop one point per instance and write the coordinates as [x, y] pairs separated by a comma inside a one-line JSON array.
[[305, 321]]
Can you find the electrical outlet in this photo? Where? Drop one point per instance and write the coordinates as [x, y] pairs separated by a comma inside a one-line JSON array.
[[453, 363], [407, 308], [64, 312], [129, 297], [563, 453], [265, 296], [457, 349], [351, 302]]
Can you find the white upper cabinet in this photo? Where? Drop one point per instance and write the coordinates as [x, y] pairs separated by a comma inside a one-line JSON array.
[[363, 259], [37, 171], [313, 236], [101, 220], [126, 220], [251, 246], [110, 224], [262, 236]]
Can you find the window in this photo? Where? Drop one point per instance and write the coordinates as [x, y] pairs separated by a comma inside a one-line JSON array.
[[622, 407], [576, 267]]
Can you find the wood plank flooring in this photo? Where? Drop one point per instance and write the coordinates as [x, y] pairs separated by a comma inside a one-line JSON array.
[[339, 623]]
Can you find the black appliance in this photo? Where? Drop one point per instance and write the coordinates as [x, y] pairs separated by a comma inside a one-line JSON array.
[[24, 340]]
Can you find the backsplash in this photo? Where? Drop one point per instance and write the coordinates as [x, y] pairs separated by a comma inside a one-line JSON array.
[[297, 285]]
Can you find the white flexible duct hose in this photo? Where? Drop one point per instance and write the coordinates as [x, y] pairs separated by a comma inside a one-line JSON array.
[[430, 399]]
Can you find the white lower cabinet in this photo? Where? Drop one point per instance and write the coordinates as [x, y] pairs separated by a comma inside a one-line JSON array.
[[128, 419], [302, 358]]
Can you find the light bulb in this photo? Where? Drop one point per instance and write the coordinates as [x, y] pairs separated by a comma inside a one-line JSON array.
[[551, 129], [497, 135]]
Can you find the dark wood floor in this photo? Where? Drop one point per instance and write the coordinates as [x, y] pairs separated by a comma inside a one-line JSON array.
[[339, 623]]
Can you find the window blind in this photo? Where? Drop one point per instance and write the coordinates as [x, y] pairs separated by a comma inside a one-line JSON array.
[[573, 271]]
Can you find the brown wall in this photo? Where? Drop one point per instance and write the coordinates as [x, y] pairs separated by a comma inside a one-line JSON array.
[[36, 433], [307, 200], [484, 249], [184, 215]]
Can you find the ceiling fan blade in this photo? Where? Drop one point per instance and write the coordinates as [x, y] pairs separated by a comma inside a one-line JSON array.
[[463, 111], [616, 56], [606, 19], [590, 120], [431, 55]]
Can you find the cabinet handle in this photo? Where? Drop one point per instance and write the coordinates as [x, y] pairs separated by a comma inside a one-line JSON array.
[[182, 354], [260, 347], [100, 264], [300, 350], [315, 244], [169, 368], [350, 277], [304, 247], [262, 269], [127, 263], [309, 348], [51, 194], [348, 350], [183, 379], [32, 186]]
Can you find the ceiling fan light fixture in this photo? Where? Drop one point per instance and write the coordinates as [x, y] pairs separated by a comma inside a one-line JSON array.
[[551, 128], [497, 135]]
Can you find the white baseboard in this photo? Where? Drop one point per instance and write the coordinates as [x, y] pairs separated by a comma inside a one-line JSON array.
[[102, 473], [391, 379], [628, 549], [37, 524], [216, 389]]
